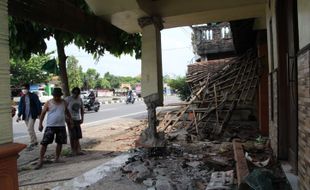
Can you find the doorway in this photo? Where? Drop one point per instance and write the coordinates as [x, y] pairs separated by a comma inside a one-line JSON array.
[[287, 30]]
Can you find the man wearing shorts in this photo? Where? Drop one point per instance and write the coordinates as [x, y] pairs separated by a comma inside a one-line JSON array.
[[57, 111], [76, 109]]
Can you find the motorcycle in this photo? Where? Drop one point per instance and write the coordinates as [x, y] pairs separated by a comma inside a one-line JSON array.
[[130, 99], [91, 106]]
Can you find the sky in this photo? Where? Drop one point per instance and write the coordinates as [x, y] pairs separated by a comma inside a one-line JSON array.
[[177, 53]]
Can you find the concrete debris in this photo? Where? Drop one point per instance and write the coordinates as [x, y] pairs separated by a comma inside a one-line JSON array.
[[160, 171], [221, 180], [180, 165], [164, 184], [180, 135], [193, 164], [131, 166], [149, 182], [139, 173], [147, 140]]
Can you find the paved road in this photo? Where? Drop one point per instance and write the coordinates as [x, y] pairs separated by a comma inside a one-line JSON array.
[[108, 112]]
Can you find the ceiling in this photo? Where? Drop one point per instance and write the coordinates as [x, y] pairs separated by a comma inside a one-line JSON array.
[[174, 13]]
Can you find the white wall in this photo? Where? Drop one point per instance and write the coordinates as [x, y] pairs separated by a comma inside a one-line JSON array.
[[304, 22]]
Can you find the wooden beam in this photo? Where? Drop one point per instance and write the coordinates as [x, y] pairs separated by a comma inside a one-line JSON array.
[[63, 15], [241, 163]]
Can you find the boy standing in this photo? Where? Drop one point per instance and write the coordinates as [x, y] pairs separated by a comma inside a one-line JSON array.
[[57, 111], [76, 109]]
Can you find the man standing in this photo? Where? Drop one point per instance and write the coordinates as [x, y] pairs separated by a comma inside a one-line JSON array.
[[29, 108], [57, 111], [76, 109]]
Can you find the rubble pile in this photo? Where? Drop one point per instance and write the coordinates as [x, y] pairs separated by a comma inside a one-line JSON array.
[[200, 68], [190, 164], [218, 97], [212, 140], [182, 165]]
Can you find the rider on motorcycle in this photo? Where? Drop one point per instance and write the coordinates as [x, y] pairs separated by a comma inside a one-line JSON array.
[[130, 96], [92, 97]]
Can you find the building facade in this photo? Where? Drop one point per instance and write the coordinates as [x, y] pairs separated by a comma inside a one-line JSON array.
[[288, 32], [287, 53], [212, 41]]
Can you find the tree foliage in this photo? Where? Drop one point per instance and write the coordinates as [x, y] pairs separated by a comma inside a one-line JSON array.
[[166, 78], [114, 80], [27, 38], [180, 86], [103, 83], [74, 73], [29, 71], [131, 80], [34, 43], [91, 76]]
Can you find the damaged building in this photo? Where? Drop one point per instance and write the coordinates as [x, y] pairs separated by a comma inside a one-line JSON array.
[[245, 121], [212, 41]]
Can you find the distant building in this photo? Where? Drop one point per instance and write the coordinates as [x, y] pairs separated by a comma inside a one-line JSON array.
[[125, 85], [138, 89], [212, 41]]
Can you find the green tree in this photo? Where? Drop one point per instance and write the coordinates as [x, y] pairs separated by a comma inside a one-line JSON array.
[[23, 71], [131, 80], [91, 76], [74, 73], [166, 78], [180, 86], [114, 80], [23, 47], [103, 83]]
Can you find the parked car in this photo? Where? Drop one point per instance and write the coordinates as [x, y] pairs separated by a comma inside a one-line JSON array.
[[84, 94], [43, 96]]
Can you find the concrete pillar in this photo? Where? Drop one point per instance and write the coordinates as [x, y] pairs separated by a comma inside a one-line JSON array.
[[152, 79], [8, 150], [5, 103]]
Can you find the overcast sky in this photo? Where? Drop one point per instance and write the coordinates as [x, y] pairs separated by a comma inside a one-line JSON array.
[[177, 53]]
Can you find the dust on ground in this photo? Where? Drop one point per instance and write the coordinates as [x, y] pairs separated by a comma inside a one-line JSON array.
[[100, 144]]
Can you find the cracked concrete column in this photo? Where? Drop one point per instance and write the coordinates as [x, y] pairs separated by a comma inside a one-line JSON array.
[[5, 103], [8, 150], [152, 79]]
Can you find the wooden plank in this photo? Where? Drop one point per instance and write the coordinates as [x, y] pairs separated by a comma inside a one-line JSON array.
[[195, 121], [216, 111], [241, 163]]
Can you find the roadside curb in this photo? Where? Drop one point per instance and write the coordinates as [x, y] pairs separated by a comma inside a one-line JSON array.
[[119, 101], [96, 174]]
